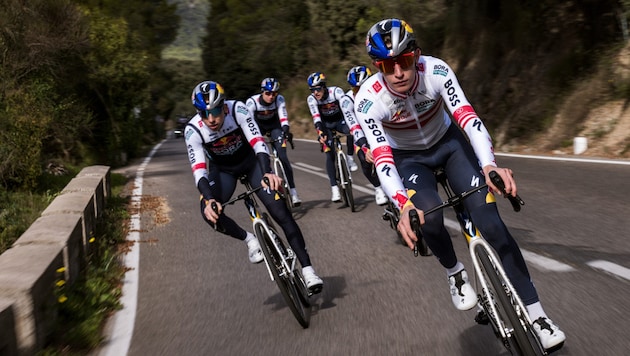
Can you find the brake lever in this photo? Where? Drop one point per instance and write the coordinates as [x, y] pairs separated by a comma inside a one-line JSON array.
[[414, 220], [516, 201]]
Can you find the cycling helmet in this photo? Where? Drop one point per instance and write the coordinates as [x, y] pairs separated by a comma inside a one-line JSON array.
[[316, 79], [208, 95], [270, 84], [357, 75], [389, 38]]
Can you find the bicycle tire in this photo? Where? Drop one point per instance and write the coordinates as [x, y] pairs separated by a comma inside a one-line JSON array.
[[288, 287], [520, 339], [346, 189]]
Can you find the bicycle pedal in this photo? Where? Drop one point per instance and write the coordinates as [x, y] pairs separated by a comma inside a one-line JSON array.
[[482, 318]]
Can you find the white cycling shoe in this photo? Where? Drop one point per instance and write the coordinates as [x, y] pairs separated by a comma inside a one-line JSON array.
[[549, 334], [462, 293], [379, 196], [254, 251], [353, 166], [336, 195], [295, 199], [313, 282]]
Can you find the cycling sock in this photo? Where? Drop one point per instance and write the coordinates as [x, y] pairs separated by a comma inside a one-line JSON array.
[[535, 311], [455, 269], [249, 237]]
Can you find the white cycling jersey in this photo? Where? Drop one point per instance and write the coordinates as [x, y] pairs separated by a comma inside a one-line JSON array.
[[347, 105], [227, 147], [329, 108], [268, 113], [416, 120]]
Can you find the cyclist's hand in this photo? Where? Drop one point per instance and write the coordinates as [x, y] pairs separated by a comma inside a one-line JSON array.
[[322, 139], [369, 157], [506, 175], [210, 213], [404, 225], [275, 182]]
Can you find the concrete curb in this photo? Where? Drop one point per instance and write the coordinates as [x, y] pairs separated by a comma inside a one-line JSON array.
[[52, 250]]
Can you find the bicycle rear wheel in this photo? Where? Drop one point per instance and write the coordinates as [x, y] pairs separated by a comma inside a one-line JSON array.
[[521, 337], [345, 183], [290, 289]]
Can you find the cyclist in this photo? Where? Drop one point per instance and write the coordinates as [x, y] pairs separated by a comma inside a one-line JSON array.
[[224, 143], [325, 108], [270, 112], [357, 76], [402, 112]]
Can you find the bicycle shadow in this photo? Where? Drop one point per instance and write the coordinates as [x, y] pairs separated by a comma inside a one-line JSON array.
[[334, 288]]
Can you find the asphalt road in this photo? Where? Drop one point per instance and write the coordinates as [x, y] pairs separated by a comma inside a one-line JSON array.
[[199, 295]]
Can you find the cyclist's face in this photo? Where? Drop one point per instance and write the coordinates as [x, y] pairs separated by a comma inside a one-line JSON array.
[[318, 92], [214, 119], [400, 72], [269, 96]]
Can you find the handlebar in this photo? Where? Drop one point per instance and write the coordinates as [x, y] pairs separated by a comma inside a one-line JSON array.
[[240, 196], [516, 201]]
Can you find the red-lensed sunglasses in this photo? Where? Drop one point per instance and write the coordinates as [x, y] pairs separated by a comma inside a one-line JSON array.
[[405, 61]]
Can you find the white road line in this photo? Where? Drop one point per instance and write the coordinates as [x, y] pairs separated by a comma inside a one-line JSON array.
[[611, 268], [316, 171], [306, 167], [546, 263], [120, 326], [534, 259], [572, 159]]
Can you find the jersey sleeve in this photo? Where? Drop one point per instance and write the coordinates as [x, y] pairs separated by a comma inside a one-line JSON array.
[[197, 157], [465, 116], [347, 107], [370, 116], [312, 107], [282, 110]]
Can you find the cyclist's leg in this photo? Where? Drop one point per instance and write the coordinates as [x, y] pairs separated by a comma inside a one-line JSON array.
[[463, 172], [419, 179], [222, 187], [281, 215], [282, 155], [330, 155], [368, 169]]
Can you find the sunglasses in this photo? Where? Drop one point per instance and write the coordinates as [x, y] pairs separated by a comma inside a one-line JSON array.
[[216, 111], [314, 89], [405, 61], [270, 93]]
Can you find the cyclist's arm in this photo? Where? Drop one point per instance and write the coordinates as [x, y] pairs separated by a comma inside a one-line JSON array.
[[282, 112], [197, 158]]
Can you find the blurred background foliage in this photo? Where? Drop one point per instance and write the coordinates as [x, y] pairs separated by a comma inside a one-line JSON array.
[[96, 81]]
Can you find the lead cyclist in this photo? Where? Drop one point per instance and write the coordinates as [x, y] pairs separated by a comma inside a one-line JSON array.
[[402, 110]]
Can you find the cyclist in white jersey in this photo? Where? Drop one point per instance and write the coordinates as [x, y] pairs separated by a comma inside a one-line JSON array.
[[325, 107], [404, 112], [356, 76], [270, 112], [224, 143]]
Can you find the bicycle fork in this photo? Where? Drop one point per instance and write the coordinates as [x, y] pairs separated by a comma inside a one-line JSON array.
[[287, 261], [486, 299]]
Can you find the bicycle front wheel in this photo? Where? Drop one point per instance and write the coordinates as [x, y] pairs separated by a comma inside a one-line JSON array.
[[289, 288], [345, 183], [521, 338]]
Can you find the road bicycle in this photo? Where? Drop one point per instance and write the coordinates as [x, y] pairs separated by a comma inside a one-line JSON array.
[[342, 172], [500, 304], [280, 171], [279, 258], [392, 214]]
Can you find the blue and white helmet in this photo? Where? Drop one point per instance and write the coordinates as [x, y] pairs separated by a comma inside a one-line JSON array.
[[208, 95], [357, 75], [316, 79], [269, 84], [389, 38]]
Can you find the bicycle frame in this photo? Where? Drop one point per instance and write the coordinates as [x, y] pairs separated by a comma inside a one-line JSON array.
[[341, 163], [288, 263]]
